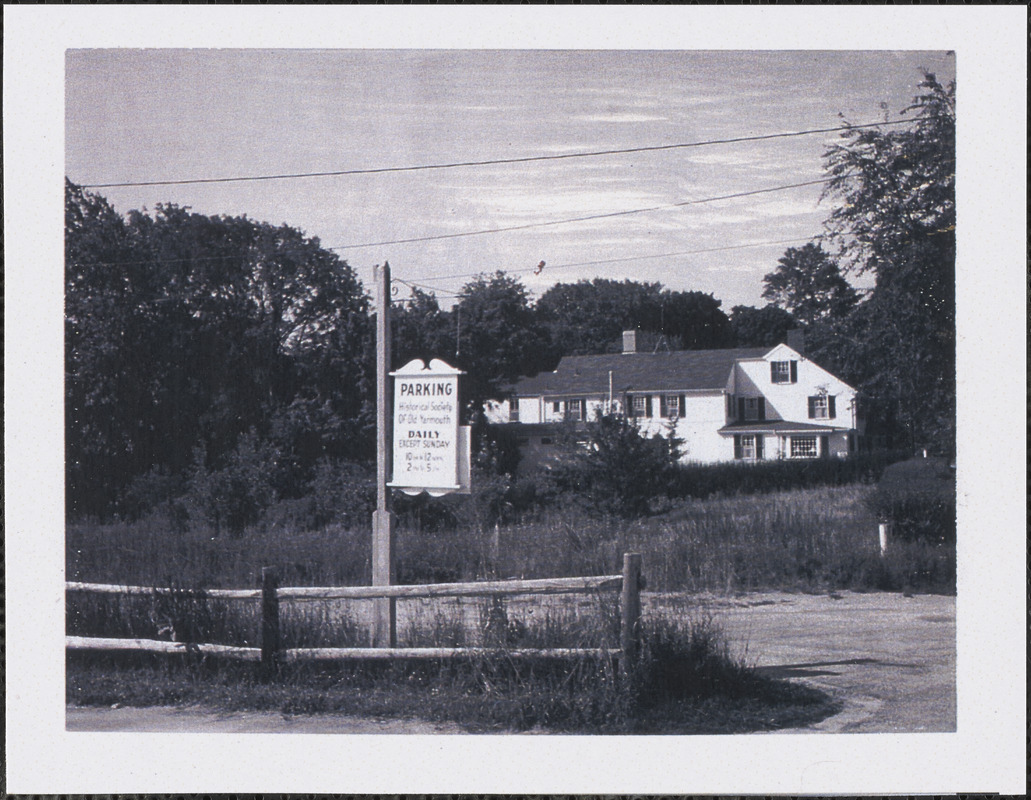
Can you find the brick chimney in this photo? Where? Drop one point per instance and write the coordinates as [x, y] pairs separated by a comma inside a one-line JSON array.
[[796, 340]]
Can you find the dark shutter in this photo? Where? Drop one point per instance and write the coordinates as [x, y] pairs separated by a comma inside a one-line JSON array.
[[830, 406], [737, 445], [773, 372], [825, 448], [629, 405], [682, 408], [583, 409], [794, 372], [759, 446], [648, 405], [762, 408], [812, 408], [741, 408], [663, 410]]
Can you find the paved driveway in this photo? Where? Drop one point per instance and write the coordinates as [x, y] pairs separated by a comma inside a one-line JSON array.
[[890, 659]]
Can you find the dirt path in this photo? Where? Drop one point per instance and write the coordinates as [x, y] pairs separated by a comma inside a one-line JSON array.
[[890, 660]]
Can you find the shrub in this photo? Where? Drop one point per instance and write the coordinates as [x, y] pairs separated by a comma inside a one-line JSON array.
[[617, 468], [233, 495], [919, 497]]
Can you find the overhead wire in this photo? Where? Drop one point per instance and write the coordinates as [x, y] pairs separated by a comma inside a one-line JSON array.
[[489, 162], [587, 218], [553, 267]]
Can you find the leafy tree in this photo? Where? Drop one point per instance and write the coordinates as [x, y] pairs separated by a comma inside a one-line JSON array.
[[809, 284], [896, 220], [497, 337], [694, 321], [184, 330], [760, 327], [589, 317]]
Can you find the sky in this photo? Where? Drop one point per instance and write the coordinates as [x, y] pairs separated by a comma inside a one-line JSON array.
[[136, 115]]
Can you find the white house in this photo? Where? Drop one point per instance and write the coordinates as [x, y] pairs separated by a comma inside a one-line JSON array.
[[747, 404]]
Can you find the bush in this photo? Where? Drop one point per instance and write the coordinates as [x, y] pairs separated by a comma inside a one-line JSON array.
[[919, 497], [617, 468], [234, 494], [708, 480]]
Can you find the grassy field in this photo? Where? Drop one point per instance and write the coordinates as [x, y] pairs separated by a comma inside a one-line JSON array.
[[809, 540], [800, 540]]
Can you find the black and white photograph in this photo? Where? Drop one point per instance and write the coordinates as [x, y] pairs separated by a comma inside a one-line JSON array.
[[424, 399]]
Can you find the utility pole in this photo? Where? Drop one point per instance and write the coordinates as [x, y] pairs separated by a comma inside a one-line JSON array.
[[384, 632]]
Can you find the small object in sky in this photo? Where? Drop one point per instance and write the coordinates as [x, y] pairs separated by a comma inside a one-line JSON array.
[[540, 269]]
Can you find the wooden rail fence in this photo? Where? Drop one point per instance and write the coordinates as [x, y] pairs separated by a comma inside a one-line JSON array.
[[271, 654]]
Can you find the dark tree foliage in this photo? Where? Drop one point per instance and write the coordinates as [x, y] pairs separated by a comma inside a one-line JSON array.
[[497, 337], [588, 317], [760, 327], [185, 331], [897, 221], [808, 284]]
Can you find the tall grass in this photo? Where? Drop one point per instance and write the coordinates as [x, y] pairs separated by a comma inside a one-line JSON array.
[[802, 539], [685, 680]]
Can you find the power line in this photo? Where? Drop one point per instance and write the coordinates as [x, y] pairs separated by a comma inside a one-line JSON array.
[[551, 267], [581, 219], [488, 162]]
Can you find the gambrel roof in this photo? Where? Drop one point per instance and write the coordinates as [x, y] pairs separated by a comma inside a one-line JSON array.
[[677, 371]]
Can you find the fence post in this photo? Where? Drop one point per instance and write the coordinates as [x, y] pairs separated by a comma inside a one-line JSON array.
[[630, 608], [269, 619]]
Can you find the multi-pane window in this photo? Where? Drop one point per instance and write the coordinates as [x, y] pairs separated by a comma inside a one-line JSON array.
[[513, 410], [748, 447], [784, 371], [821, 406], [671, 406], [640, 405], [804, 447]]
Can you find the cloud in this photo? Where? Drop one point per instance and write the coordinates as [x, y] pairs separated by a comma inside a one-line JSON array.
[[621, 117]]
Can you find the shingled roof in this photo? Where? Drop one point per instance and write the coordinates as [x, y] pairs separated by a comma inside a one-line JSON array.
[[677, 371]]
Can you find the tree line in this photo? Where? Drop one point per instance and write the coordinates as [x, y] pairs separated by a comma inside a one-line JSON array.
[[235, 358]]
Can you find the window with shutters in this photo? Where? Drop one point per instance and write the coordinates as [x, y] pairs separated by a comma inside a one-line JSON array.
[[821, 406], [672, 406], [784, 371], [804, 447]]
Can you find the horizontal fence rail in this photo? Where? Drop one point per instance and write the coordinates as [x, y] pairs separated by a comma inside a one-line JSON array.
[[215, 594], [476, 589], [270, 654]]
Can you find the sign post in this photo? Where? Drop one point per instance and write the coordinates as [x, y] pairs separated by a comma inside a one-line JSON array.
[[421, 445], [384, 633]]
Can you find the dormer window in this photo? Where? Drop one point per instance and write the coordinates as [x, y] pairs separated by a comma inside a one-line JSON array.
[[784, 371]]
